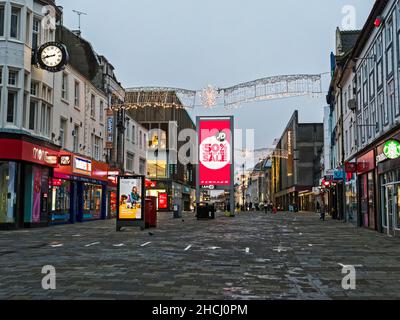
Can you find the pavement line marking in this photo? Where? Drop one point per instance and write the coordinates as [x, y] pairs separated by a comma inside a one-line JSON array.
[[76, 235], [345, 266], [214, 248], [145, 244], [119, 245], [92, 244], [188, 248], [247, 250], [57, 245]]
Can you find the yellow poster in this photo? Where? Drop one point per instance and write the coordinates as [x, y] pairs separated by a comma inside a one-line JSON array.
[[130, 199]]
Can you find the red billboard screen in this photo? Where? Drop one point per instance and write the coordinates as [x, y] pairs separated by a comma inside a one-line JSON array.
[[162, 201], [215, 151]]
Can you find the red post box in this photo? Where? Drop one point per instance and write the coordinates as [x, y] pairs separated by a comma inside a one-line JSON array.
[[151, 212]]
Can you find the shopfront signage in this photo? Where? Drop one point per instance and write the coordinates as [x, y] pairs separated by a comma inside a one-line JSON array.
[[350, 167], [65, 160], [338, 175], [82, 166], [162, 201], [110, 130], [215, 151], [391, 149]]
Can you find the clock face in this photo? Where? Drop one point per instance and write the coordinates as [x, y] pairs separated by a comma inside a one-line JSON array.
[[52, 56]]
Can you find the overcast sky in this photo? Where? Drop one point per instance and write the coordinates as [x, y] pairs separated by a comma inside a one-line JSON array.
[[194, 43]]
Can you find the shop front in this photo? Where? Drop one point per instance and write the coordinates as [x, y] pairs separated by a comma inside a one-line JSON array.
[[26, 166], [388, 163], [366, 190], [162, 191], [80, 193], [186, 198]]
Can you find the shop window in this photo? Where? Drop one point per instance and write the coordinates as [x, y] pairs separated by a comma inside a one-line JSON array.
[[157, 165], [8, 194], [92, 202], [61, 201]]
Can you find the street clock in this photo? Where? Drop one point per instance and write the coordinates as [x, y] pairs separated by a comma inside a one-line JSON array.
[[52, 57]]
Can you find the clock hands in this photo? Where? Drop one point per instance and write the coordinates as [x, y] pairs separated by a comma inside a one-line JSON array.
[[49, 56]]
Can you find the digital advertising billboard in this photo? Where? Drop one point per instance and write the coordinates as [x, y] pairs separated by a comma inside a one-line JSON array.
[[215, 151]]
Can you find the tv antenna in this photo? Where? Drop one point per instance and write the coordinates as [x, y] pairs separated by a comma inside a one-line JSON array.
[[79, 13]]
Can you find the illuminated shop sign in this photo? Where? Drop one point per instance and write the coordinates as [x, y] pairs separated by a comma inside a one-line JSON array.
[[82, 166], [65, 160], [391, 149], [110, 130]]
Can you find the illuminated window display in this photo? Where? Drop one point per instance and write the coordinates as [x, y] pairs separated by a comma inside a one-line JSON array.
[[92, 196], [8, 194]]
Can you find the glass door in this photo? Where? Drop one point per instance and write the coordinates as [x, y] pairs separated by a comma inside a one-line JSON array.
[[391, 207]]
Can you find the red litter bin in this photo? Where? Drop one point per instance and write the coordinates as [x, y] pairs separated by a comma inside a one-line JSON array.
[[151, 212]]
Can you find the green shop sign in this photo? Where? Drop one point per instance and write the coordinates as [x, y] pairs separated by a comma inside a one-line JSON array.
[[391, 149]]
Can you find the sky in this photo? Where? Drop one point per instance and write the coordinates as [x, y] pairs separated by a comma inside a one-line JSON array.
[[195, 43]]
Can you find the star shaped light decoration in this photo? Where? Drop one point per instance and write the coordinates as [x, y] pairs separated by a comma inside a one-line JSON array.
[[209, 97]]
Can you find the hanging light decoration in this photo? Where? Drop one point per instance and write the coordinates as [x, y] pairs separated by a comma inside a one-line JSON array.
[[209, 97]]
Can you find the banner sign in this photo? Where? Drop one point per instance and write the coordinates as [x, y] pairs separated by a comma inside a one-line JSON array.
[[131, 197], [110, 130], [215, 151], [162, 201]]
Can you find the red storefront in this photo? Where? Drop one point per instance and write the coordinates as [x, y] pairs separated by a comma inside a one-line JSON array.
[[26, 165]]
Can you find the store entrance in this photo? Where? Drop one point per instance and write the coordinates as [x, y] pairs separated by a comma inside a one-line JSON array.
[[391, 217]]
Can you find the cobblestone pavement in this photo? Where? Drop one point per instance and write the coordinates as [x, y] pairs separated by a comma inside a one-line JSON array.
[[252, 256]]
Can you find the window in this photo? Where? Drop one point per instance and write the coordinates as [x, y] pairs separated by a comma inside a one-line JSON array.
[[32, 115], [389, 61], [346, 145], [101, 111], [144, 140], [45, 120], [11, 106], [133, 134], [76, 138], [1, 21], [15, 21], [13, 78], [36, 33], [374, 120], [64, 86], [382, 109], [389, 33], [372, 85], [93, 106], [142, 166], [128, 132], [34, 89], [379, 70], [140, 139], [130, 158], [63, 131], [360, 130], [390, 102], [351, 136], [77, 94], [96, 148]]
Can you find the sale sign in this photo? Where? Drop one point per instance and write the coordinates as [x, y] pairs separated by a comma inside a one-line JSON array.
[[215, 151], [162, 201]]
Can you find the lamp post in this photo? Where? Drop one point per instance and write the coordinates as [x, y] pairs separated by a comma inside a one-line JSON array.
[[243, 187]]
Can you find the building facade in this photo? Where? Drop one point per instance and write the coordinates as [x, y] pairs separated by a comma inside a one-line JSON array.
[[369, 102], [56, 154], [170, 177], [296, 165]]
